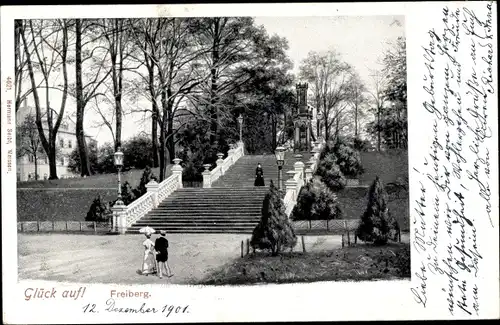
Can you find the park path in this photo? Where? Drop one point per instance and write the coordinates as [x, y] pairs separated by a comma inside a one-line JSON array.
[[116, 259]]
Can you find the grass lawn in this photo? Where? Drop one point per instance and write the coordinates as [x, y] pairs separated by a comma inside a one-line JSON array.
[[389, 166], [95, 181], [361, 262], [116, 259], [353, 202], [69, 199], [58, 205]]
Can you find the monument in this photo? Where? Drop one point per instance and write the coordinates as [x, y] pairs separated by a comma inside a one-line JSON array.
[[302, 121]]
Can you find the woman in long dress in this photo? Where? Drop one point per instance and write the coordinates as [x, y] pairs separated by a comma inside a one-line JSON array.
[[149, 263], [259, 176]]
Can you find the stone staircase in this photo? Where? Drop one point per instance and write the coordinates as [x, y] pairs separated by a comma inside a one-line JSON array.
[[232, 205]]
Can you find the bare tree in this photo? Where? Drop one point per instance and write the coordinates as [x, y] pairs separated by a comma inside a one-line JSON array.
[[171, 59], [230, 44], [331, 80], [20, 64], [95, 74], [49, 39], [378, 100], [28, 141]]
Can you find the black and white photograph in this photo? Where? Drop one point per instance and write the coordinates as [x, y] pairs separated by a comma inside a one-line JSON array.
[[249, 162], [219, 150]]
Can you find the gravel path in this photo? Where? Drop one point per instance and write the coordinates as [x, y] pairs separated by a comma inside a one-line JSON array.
[[116, 259]]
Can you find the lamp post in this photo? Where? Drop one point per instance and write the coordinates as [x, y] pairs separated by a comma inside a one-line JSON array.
[[240, 122], [280, 161], [119, 165]]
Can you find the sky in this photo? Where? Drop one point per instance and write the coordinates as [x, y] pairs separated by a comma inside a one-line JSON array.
[[360, 40]]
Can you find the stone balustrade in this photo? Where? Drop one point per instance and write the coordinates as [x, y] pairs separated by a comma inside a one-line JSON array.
[[125, 215], [222, 165], [300, 175]]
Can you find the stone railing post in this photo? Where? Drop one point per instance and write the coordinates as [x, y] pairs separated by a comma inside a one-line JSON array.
[[119, 218], [291, 185], [152, 187], [308, 174], [230, 153], [177, 170], [219, 163], [207, 178], [299, 169]]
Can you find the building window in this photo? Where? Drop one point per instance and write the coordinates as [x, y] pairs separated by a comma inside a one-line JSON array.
[[70, 144], [61, 143], [31, 158], [62, 161], [46, 160]]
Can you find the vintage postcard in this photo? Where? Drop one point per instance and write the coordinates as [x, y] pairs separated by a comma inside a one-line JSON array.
[[249, 162]]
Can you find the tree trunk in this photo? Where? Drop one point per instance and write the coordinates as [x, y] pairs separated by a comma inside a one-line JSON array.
[[170, 128], [214, 85], [80, 103], [52, 161], [35, 156], [356, 118], [155, 112], [162, 151], [378, 128], [163, 131], [154, 134], [18, 25], [327, 131], [274, 131]]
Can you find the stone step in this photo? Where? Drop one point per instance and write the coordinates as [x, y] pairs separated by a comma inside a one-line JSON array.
[[203, 213], [189, 230], [198, 223], [195, 207]]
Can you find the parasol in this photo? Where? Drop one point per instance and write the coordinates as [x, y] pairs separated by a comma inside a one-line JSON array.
[[147, 230]]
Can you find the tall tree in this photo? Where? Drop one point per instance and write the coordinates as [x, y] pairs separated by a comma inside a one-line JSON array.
[[396, 91], [358, 99], [90, 72], [169, 45], [331, 80], [20, 64], [230, 42], [47, 36], [378, 101], [117, 41], [28, 141]]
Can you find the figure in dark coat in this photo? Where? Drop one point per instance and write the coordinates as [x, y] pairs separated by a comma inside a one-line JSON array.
[[161, 247], [259, 176]]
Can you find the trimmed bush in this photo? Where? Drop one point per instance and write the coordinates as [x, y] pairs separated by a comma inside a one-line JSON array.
[[99, 211], [316, 202], [128, 195], [330, 173], [377, 225], [274, 231], [348, 159], [146, 177]]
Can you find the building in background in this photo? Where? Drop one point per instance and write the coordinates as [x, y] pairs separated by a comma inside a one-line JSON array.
[[66, 142]]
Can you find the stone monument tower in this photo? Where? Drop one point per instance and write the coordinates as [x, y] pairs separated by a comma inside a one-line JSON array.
[[302, 121]]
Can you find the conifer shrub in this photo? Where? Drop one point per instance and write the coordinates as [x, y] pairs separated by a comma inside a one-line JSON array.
[[99, 211], [128, 193], [274, 232], [330, 174], [377, 225], [348, 159], [147, 176], [316, 202]]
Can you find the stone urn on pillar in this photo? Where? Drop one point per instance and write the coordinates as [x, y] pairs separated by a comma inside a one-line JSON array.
[[207, 177], [177, 170]]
